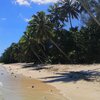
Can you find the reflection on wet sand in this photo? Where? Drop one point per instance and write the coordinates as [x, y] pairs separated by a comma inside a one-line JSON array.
[[22, 88], [38, 90]]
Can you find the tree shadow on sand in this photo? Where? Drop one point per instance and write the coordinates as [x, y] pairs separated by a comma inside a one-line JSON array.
[[35, 66], [75, 76]]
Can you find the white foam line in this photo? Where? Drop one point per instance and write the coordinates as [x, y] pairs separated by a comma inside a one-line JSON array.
[[1, 84]]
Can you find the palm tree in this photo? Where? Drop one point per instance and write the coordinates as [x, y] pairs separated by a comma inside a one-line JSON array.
[[16, 50], [55, 16], [69, 9], [43, 29], [28, 43], [85, 5]]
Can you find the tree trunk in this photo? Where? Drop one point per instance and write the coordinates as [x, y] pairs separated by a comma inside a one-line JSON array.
[[58, 48], [70, 21], [43, 51], [84, 3], [37, 56]]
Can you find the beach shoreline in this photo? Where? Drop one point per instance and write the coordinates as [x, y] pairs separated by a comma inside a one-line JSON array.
[[70, 80]]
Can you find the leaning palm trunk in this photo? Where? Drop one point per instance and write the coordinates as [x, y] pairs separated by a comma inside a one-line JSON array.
[[84, 4], [43, 51], [70, 21], [58, 48], [37, 56]]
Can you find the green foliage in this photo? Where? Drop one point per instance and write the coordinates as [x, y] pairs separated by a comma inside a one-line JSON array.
[[10, 54], [64, 11], [47, 41]]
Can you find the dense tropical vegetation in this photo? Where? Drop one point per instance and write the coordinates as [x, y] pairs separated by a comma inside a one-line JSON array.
[[48, 39]]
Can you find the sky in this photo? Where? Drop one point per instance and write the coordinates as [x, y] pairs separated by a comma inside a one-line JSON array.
[[14, 17]]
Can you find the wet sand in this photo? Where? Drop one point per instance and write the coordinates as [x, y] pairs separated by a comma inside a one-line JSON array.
[[74, 82], [19, 87]]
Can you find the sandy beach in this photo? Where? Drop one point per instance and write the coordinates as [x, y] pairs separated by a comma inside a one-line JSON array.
[[75, 82]]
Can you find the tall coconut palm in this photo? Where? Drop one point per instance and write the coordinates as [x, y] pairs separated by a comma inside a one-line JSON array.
[[69, 9], [43, 29], [27, 42], [55, 16]]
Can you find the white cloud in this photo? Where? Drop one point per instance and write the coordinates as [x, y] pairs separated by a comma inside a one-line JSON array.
[[22, 2], [43, 1], [28, 2], [27, 19], [3, 19], [24, 18]]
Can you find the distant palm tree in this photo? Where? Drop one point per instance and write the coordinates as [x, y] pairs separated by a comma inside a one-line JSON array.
[[27, 41], [16, 50]]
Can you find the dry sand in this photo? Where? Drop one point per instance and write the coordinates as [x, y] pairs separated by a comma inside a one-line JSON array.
[[75, 82]]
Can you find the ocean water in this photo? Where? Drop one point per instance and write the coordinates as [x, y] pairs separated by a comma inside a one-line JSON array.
[[1, 97]]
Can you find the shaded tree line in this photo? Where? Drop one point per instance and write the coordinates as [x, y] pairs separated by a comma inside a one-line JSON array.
[[48, 40]]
